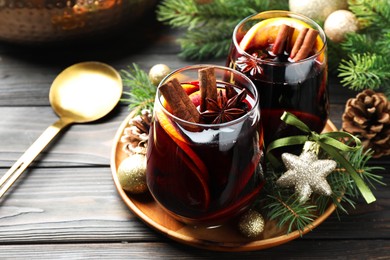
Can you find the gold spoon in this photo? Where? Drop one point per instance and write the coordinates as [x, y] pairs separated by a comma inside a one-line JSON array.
[[83, 92]]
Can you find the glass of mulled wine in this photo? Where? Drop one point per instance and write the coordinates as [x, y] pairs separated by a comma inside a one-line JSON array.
[[205, 148], [285, 55]]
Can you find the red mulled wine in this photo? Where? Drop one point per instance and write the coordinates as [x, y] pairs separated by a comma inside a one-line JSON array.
[[286, 59], [206, 172]]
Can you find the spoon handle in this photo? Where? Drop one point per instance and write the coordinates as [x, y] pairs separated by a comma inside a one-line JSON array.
[[30, 154]]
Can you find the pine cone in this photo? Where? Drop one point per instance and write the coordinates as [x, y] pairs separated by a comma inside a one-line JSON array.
[[135, 136], [368, 117]]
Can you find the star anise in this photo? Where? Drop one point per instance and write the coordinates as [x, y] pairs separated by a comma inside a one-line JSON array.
[[225, 108], [249, 64]]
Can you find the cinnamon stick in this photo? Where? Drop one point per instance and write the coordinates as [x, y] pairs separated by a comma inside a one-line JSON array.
[[298, 42], [306, 46], [283, 39], [179, 101], [186, 100], [207, 86]]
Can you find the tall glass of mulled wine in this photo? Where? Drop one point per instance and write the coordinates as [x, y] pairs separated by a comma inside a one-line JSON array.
[[205, 148], [285, 55]]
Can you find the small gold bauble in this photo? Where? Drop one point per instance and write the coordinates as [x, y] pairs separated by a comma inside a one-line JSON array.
[[317, 9], [158, 72], [251, 224], [132, 174], [339, 23]]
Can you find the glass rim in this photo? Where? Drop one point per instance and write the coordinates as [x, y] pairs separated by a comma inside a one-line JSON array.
[[255, 106], [304, 18]]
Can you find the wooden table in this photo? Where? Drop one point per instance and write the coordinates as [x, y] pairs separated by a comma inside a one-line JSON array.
[[66, 205]]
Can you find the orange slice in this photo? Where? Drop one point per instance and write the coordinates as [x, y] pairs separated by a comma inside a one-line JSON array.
[[265, 32], [191, 91], [195, 98], [192, 160], [189, 88]]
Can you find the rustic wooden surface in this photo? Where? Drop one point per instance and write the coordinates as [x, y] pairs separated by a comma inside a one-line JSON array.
[[66, 206]]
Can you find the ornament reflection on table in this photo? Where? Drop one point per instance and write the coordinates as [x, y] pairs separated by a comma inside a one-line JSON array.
[[40, 21]]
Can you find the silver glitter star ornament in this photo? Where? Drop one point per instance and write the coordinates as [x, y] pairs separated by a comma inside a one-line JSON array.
[[306, 173]]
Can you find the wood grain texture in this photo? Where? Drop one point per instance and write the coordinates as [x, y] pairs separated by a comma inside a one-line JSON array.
[[81, 204], [327, 249], [79, 144], [67, 205]]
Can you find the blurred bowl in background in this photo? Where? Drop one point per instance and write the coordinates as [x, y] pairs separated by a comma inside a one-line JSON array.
[[43, 21]]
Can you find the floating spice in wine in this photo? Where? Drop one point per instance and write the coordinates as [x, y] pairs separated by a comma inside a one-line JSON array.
[[179, 101], [302, 47], [207, 86], [216, 105]]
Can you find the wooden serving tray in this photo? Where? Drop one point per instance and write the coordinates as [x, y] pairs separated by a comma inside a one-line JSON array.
[[221, 238]]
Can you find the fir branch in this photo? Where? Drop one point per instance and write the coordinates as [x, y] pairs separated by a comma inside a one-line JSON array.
[[359, 159], [343, 192], [178, 13], [365, 71], [210, 26], [368, 63], [283, 206], [168, 10], [188, 14], [383, 43], [201, 44], [374, 14], [289, 211], [141, 91], [358, 43], [344, 189]]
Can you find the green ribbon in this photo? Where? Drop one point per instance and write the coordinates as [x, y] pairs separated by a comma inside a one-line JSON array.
[[329, 143]]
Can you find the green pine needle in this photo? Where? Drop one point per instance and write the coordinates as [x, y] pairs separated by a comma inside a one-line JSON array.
[[209, 27], [359, 159], [201, 44], [375, 14], [141, 91], [363, 71], [290, 212], [178, 14], [283, 206], [368, 63], [358, 43], [344, 189]]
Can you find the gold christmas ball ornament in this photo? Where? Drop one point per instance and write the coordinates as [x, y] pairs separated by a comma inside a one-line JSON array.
[[251, 224], [317, 9], [339, 23], [158, 72], [132, 174]]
